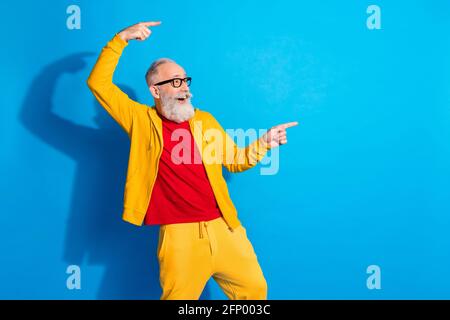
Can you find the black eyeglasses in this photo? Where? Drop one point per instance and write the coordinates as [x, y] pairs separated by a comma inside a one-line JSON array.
[[176, 82]]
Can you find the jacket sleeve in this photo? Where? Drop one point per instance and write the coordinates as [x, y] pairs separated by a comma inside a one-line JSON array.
[[100, 82], [237, 159]]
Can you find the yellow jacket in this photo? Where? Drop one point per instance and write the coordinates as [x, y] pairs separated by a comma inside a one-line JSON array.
[[144, 128]]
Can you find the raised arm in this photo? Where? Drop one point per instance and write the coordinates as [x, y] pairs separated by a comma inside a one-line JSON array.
[[100, 81]]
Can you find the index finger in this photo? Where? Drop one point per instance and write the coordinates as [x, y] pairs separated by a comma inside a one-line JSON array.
[[288, 125], [151, 23]]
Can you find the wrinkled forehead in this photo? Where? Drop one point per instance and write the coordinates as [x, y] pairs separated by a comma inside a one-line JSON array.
[[170, 70]]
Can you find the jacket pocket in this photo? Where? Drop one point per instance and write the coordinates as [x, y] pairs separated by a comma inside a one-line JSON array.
[[132, 173], [149, 145]]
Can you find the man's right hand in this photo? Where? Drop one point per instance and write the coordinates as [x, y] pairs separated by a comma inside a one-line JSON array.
[[139, 31]]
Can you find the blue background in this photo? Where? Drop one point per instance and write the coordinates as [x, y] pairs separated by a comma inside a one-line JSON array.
[[364, 179]]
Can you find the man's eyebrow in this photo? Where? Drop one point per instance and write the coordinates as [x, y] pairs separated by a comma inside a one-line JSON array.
[[178, 75]]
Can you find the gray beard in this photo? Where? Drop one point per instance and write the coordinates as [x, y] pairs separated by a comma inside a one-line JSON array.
[[173, 110]]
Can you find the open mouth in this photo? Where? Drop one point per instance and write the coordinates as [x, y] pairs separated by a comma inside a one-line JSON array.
[[182, 99]]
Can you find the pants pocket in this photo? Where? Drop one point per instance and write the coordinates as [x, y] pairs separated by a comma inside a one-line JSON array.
[[162, 242]]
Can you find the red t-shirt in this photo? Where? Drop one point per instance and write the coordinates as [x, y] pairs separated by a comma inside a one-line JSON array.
[[182, 192]]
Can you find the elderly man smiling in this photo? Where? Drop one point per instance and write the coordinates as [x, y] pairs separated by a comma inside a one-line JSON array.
[[200, 235]]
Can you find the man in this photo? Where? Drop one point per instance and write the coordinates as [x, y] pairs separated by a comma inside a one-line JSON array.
[[174, 183]]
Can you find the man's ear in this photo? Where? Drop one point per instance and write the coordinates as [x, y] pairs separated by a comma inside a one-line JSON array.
[[154, 91]]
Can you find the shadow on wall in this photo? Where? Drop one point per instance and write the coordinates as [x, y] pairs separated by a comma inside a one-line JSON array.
[[96, 234]]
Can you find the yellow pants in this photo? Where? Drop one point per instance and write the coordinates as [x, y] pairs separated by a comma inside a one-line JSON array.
[[190, 253]]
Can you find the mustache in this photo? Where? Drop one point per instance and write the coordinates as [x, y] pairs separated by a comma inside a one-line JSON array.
[[185, 95]]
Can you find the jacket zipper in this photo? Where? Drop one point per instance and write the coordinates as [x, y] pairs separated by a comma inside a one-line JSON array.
[[156, 172], [201, 155]]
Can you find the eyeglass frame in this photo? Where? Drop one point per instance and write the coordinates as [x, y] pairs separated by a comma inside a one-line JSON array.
[[185, 80]]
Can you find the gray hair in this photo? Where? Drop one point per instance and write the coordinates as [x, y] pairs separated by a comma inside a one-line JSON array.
[[153, 70]]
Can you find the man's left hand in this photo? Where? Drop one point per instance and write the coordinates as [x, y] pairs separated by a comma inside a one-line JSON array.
[[277, 135]]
